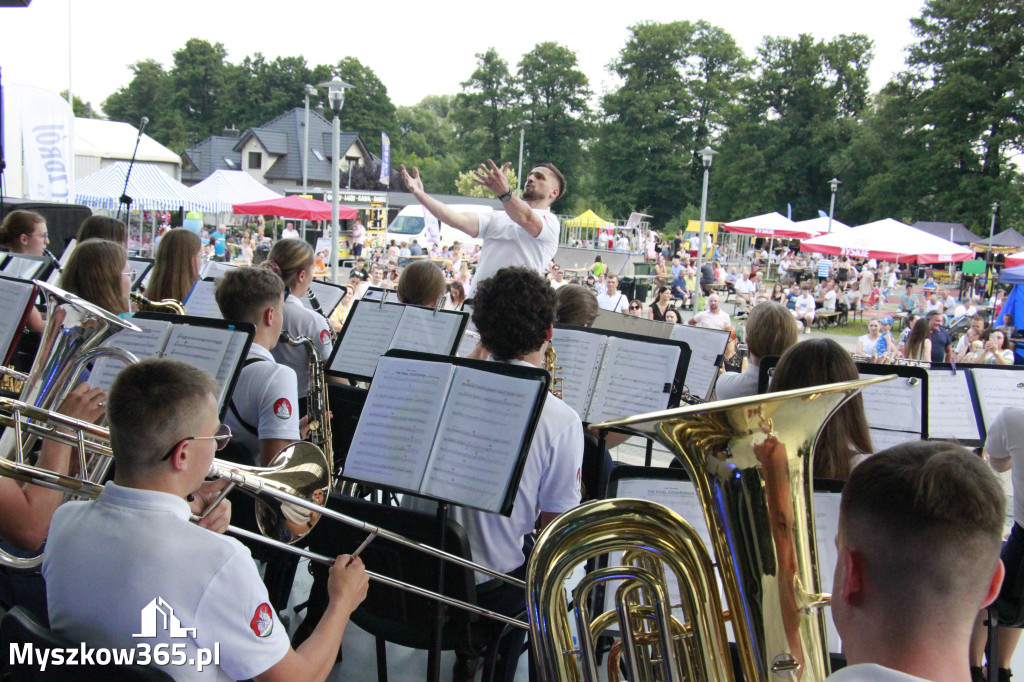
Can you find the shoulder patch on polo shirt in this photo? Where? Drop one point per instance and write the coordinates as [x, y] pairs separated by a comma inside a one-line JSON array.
[[262, 623], [325, 337], [283, 408]]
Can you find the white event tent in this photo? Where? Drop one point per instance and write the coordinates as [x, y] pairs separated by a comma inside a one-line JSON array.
[[773, 225], [820, 226], [149, 188], [228, 188], [888, 240]]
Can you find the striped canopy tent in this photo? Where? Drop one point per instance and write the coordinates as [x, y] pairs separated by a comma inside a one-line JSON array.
[[769, 225], [233, 187], [820, 225], [888, 240], [149, 188]]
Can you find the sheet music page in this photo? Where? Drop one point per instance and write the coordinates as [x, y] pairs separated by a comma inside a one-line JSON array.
[[578, 355], [14, 301], [883, 439], [367, 335], [141, 268], [215, 269], [392, 441], [997, 389], [423, 331], [826, 525], [894, 405], [705, 347], [679, 496], [144, 344], [232, 357], [23, 267], [632, 379], [201, 301], [54, 277], [328, 296], [481, 432], [469, 340], [203, 347], [950, 410]]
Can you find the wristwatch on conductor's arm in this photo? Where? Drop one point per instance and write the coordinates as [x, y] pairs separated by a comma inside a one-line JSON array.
[[506, 196]]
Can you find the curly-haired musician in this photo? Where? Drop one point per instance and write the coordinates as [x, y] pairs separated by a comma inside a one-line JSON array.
[[129, 567], [920, 526]]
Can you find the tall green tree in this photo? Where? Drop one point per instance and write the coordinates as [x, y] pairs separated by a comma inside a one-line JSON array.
[[796, 116], [553, 96], [150, 93], [368, 108], [425, 139], [80, 107], [677, 78], [197, 86], [483, 110]]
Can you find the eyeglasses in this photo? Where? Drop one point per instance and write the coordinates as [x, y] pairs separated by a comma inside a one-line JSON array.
[[634, 307], [222, 437]]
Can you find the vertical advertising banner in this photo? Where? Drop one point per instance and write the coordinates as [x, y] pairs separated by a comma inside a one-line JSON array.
[[385, 159], [47, 142]]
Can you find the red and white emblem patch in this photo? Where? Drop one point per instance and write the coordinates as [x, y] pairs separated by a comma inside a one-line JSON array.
[[283, 408], [262, 623], [325, 337]]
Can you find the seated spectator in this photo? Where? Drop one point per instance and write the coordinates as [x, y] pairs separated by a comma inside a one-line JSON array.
[[713, 317], [994, 349], [908, 325], [680, 291], [745, 289], [973, 333], [804, 307]]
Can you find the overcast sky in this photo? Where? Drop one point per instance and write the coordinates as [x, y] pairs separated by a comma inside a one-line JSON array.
[[415, 48]]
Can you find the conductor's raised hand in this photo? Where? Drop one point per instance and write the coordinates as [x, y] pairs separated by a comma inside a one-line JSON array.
[[412, 181], [492, 177]]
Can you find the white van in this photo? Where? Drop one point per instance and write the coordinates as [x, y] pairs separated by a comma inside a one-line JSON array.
[[414, 222]]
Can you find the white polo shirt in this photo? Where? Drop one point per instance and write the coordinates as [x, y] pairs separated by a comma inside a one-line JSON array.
[[505, 243], [1005, 438], [108, 560], [265, 398], [300, 321], [615, 301]]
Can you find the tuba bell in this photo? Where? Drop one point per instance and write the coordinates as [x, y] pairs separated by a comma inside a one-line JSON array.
[[750, 460], [74, 334]]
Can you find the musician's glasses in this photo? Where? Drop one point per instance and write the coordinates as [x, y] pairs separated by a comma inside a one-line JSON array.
[[223, 437]]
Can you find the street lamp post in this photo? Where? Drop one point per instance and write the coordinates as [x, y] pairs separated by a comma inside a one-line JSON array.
[[336, 97], [834, 184], [991, 233], [522, 136], [706, 155], [310, 90]]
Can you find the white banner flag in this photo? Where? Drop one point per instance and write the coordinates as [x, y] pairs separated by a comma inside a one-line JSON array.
[[47, 143]]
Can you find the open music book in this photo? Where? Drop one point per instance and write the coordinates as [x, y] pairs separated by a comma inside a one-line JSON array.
[[448, 429], [16, 298], [962, 406], [23, 266], [217, 347], [707, 346], [896, 411], [608, 375], [372, 328], [201, 301]]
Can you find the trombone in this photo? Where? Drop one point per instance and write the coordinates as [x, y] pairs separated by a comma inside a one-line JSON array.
[[299, 467]]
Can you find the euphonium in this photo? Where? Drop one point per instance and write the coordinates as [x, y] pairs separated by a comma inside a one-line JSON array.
[[74, 334], [171, 304], [317, 408], [750, 460]]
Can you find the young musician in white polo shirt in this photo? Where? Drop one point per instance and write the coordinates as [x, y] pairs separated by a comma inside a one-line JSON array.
[[292, 260], [114, 565], [264, 411]]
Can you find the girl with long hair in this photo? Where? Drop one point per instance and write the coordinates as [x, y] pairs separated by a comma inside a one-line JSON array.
[[176, 267]]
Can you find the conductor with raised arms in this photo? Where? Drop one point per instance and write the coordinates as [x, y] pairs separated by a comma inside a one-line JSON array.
[[525, 233]]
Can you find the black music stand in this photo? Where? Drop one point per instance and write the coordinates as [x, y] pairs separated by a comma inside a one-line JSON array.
[[369, 459]]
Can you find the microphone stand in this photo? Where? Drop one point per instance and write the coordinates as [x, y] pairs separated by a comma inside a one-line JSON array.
[[126, 200]]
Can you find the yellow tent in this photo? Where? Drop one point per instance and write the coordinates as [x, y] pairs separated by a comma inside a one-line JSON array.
[[709, 227], [588, 219]]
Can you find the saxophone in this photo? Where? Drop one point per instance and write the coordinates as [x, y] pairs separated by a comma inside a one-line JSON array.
[[316, 401], [550, 357]]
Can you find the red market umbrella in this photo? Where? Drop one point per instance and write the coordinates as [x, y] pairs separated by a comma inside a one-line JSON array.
[[294, 206]]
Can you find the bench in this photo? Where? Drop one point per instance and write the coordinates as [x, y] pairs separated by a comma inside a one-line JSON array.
[[823, 319]]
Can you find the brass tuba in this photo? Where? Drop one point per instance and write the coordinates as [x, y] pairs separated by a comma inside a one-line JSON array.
[[750, 461], [74, 334]]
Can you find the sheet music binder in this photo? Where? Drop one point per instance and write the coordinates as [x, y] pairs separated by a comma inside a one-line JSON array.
[[231, 340], [891, 420], [201, 300], [447, 451], [16, 299], [396, 326], [24, 266], [573, 355], [329, 295], [142, 268], [990, 389]]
